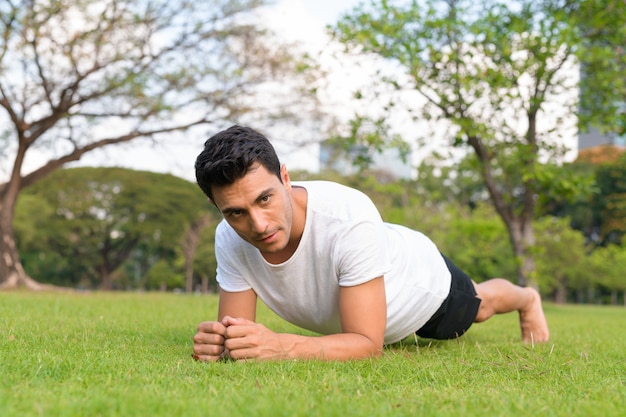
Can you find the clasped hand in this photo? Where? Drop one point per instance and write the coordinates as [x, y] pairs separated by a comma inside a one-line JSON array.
[[235, 338]]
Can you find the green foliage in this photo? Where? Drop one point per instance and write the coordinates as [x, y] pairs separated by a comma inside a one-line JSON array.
[[555, 183], [561, 256], [477, 242], [499, 77], [367, 137], [610, 203], [461, 182], [129, 354], [85, 74], [204, 263], [55, 268], [601, 213], [602, 25], [608, 266], [451, 209], [161, 276], [473, 237], [578, 208], [29, 218], [446, 204], [104, 218]]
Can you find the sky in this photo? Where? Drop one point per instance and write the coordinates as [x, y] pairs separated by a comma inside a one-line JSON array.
[[328, 11]]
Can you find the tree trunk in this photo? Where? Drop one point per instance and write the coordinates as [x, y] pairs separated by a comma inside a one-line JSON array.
[[205, 284], [106, 283], [518, 222], [522, 239], [190, 243], [560, 296], [12, 274]]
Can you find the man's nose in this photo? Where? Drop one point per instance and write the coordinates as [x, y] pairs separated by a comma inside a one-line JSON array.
[[258, 221]]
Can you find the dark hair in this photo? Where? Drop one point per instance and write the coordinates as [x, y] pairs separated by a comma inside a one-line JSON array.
[[229, 154]]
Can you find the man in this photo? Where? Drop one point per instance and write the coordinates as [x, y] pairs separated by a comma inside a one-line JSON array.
[[320, 256]]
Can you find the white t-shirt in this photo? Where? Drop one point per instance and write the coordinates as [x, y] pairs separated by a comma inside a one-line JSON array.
[[344, 243]]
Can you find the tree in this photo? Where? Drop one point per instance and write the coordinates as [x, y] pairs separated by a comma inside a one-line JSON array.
[[103, 215], [84, 74], [500, 76], [612, 259], [204, 262], [601, 216], [603, 63], [561, 258], [189, 246], [610, 204], [162, 276]]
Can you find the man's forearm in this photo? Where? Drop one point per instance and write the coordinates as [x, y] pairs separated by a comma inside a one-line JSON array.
[[344, 346], [245, 339]]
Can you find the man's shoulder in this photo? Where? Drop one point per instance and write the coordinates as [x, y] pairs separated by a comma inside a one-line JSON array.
[[225, 233], [320, 185], [338, 201], [328, 189]]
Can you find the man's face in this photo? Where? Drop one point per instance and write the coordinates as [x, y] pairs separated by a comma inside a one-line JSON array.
[[258, 207]]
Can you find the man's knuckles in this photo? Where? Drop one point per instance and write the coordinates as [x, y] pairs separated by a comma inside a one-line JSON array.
[[208, 339], [211, 327]]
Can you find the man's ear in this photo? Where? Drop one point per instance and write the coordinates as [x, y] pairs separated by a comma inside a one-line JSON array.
[[284, 176]]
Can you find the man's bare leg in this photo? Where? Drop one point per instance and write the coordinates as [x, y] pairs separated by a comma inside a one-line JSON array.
[[501, 296]]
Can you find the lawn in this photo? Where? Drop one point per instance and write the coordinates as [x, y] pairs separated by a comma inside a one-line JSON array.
[[128, 354]]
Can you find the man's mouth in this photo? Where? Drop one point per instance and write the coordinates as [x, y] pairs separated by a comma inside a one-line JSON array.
[[268, 237]]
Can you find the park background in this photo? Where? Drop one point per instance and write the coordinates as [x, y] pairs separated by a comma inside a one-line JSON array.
[[469, 121], [472, 123]]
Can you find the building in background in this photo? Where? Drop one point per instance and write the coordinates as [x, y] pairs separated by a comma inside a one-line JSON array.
[[594, 138]]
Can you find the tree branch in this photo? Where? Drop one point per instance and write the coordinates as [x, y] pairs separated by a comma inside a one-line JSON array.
[[78, 152]]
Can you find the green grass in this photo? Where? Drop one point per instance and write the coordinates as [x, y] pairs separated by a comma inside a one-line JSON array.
[[128, 354]]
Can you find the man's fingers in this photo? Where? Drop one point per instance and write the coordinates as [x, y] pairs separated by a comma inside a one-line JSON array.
[[208, 342], [208, 339], [208, 349], [237, 331], [232, 321], [211, 327], [214, 339]]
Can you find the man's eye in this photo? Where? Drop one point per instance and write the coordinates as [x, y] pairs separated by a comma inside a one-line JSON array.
[[235, 213], [265, 198]]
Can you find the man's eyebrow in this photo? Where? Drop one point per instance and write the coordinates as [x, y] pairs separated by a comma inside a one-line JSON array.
[[262, 194], [265, 192], [228, 210]]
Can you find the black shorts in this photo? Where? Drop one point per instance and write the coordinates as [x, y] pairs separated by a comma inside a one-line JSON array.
[[458, 310]]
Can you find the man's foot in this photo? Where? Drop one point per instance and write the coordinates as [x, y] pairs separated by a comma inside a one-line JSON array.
[[533, 321]]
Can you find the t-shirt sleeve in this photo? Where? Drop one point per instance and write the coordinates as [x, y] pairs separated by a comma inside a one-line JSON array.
[[228, 276], [362, 253]]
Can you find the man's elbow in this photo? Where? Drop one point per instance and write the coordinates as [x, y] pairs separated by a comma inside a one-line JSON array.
[[375, 349]]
